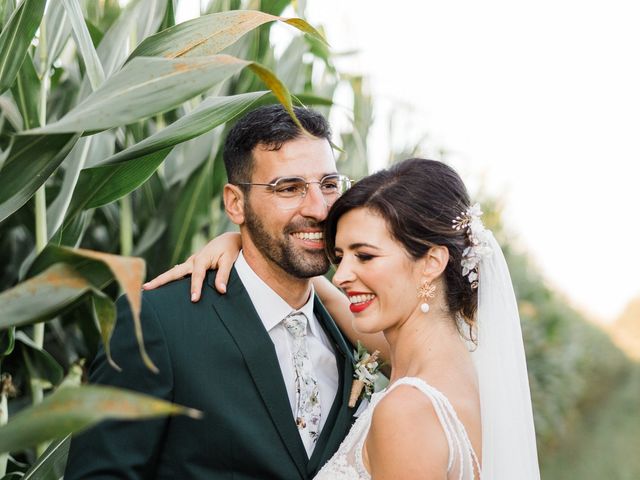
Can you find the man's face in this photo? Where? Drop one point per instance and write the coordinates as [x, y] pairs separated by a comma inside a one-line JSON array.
[[291, 239]]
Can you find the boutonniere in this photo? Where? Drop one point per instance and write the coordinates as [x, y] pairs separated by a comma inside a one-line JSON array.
[[366, 370]]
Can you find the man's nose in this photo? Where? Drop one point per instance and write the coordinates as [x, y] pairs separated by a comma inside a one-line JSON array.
[[314, 204]]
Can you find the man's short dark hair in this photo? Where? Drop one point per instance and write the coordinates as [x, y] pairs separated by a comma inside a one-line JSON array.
[[270, 126]]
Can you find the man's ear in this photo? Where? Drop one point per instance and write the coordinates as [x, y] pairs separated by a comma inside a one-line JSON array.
[[435, 262], [234, 200]]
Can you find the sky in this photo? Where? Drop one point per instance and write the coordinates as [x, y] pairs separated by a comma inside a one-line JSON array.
[[538, 101]]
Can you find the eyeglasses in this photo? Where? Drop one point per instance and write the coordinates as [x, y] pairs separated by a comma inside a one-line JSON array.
[[290, 191]]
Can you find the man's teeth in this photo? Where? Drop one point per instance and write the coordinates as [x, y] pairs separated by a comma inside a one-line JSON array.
[[361, 298], [308, 235]]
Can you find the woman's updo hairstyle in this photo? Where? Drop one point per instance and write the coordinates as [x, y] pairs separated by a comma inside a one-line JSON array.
[[418, 199]]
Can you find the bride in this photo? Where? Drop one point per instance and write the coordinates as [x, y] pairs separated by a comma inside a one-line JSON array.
[[429, 285]]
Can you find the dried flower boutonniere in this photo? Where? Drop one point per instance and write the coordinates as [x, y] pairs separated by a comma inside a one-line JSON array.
[[366, 370]]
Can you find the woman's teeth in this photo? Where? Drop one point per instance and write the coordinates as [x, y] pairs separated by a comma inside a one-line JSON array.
[[361, 298]]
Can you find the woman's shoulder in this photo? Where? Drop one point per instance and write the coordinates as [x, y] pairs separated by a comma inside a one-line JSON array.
[[410, 402], [404, 426]]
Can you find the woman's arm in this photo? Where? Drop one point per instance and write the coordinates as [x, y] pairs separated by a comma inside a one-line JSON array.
[[221, 253], [337, 305]]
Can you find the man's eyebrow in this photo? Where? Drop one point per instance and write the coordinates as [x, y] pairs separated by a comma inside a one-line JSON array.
[[275, 179]]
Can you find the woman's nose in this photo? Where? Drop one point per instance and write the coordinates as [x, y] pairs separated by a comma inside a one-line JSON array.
[[344, 274]]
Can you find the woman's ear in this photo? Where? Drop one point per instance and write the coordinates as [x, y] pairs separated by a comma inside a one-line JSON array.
[[234, 200], [435, 262]]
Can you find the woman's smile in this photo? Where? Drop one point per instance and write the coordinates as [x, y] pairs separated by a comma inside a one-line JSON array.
[[360, 300]]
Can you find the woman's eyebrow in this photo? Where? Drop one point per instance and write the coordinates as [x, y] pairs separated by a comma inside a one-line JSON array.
[[353, 246]]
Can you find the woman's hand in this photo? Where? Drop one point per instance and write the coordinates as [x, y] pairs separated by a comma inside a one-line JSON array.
[[220, 253]]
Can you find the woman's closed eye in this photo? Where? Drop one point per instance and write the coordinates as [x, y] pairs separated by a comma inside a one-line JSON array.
[[364, 257]]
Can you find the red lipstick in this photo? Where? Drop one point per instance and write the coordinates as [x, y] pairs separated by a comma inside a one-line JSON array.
[[359, 307]]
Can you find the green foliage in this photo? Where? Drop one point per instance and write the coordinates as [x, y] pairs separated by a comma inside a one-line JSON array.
[[606, 445], [104, 110], [133, 115], [71, 409], [52, 461], [15, 39]]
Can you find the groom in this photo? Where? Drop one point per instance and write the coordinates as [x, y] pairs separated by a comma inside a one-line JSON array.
[[265, 363]]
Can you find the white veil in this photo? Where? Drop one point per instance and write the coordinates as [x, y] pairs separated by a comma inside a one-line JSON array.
[[508, 436]]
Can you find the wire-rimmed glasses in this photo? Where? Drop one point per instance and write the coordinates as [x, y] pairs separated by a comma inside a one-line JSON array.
[[290, 191]]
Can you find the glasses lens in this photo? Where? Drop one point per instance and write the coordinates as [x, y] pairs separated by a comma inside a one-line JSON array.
[[289, 192], [334, 185], [290, 187]]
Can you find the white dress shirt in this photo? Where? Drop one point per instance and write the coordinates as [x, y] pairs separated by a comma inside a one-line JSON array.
[[272, 309]]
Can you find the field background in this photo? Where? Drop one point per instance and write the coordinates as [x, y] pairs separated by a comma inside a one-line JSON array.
[[111, 122]]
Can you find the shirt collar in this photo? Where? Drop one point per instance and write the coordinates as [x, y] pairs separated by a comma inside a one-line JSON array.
[[271, 308]]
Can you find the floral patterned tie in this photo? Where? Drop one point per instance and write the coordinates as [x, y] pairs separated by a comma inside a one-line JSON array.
[[308, 412]]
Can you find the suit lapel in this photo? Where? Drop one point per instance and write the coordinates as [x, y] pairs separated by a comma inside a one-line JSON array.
[[241, 320], [340, 415]]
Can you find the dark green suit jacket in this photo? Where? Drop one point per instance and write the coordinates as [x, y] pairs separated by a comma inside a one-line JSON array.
[[217, 357]]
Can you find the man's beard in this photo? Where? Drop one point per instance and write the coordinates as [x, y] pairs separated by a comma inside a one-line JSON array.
[[297, 262]]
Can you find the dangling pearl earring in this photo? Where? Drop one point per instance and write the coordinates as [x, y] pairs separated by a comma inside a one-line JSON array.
[[425, 292]]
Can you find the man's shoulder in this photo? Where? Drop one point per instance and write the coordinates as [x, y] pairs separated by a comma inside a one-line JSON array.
[[180, 291], [174, 298]]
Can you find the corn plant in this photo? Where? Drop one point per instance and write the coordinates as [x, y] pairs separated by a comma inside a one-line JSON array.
[[111, 119]]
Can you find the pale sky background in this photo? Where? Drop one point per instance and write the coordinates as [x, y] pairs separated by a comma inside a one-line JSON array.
[[540, 100]]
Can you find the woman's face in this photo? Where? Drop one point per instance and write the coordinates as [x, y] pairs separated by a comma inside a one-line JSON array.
[[375, 271]]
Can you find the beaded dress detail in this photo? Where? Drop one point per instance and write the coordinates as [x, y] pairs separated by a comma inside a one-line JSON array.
[[347, 464]]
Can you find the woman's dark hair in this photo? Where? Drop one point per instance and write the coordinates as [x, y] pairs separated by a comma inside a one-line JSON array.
[[418, 199]]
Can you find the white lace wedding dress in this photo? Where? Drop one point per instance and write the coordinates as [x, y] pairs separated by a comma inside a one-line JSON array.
[[347, 462]]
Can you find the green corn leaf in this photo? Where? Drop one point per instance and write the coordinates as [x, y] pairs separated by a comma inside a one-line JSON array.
[[104, 184], [51, 463], [41, 365], [212, 112], [25, 91], [57, 29], [62, 277], [185, 158], [10, 112], [210, 34], [147, 86], [42, 297], [104, 313], [91, 148], [31, 160], [191, 210], [70, 410], [6, 10], [129, 272], [16, 37], [129, 169], [139, 19], [7, 341], [140, 16], [84, 43]]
